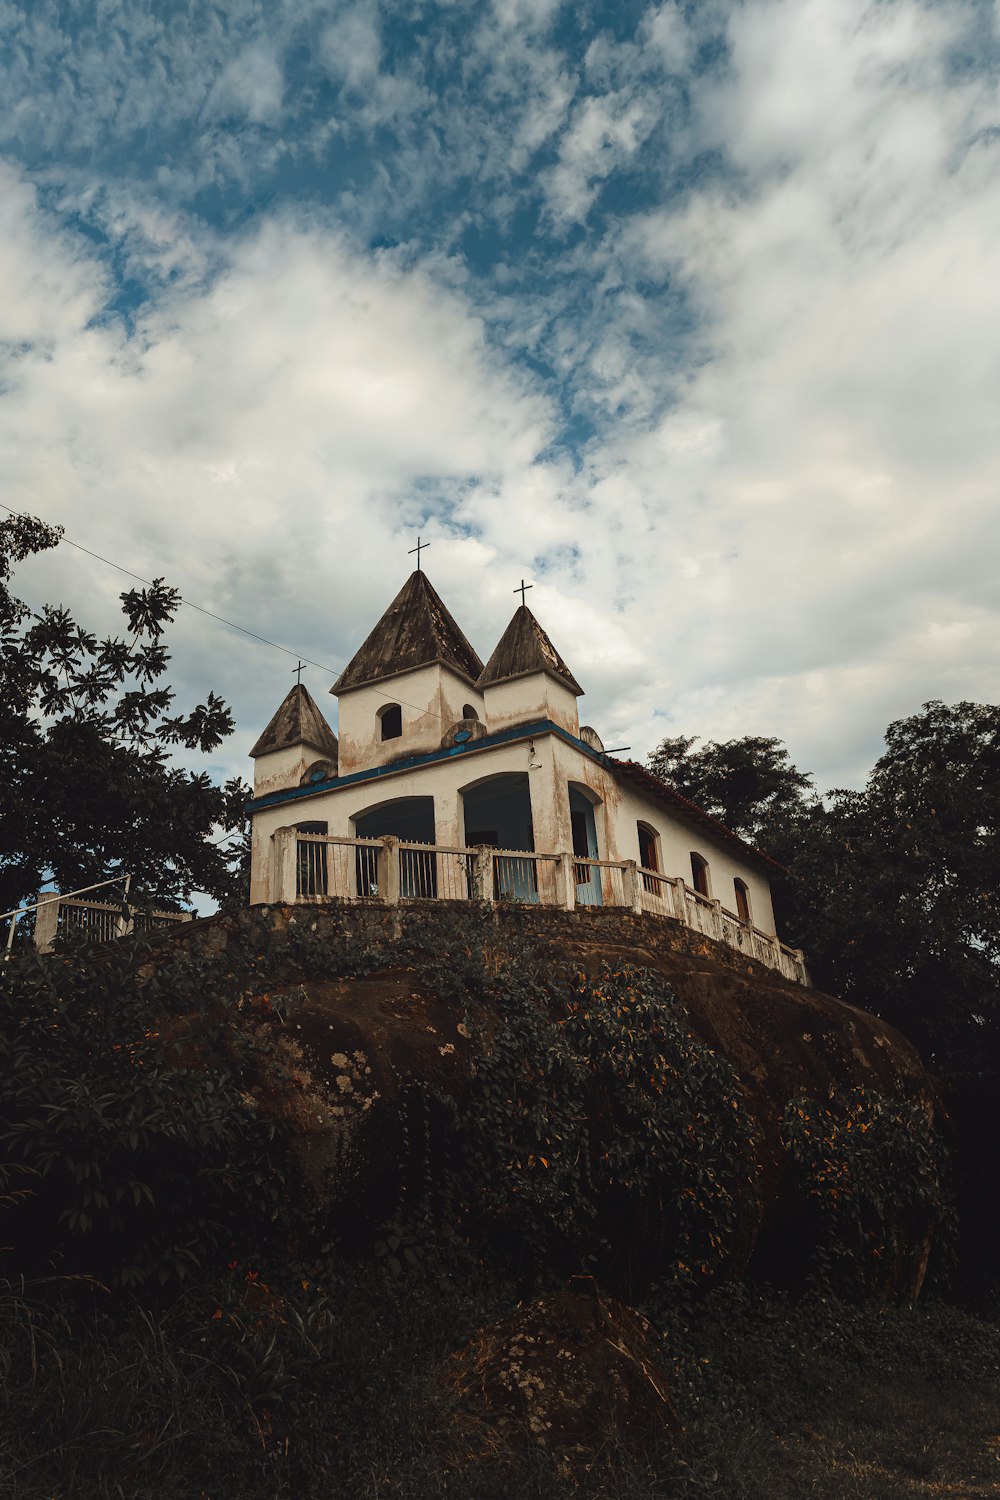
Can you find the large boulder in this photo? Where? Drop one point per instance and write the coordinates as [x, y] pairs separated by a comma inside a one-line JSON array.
[[569, 1373], [351, 1066], [348, 1078]]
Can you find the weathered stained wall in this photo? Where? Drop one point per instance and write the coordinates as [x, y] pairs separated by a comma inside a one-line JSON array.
[[431, 699], [282, 768], [552, 766], [525, 700]]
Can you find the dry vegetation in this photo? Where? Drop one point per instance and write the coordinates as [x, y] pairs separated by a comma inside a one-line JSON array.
[[342, 1392]]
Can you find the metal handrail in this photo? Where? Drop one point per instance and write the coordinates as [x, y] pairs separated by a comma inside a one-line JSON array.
[[634, 882], [338, 838], [19, 911], [99, 885], [418, 847]]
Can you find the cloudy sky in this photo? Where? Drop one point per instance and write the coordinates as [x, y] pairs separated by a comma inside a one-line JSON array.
[[687, 313]]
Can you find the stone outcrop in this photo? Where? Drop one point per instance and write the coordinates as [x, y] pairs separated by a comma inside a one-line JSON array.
[[350, 1067], [569, 1373], [344, 1083]]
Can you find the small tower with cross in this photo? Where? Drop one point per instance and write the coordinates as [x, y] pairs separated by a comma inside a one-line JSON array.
[[526, 679], [298, 744], [412, 679]]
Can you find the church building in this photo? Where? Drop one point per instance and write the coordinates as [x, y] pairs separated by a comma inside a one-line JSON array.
[[479, 768]]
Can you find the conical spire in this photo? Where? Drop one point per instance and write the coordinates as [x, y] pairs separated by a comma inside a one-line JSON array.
[[415, 631], [297, 722], [525, 648]]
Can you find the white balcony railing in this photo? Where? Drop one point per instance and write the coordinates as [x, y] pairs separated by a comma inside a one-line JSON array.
[[315, 867], [102, 921]]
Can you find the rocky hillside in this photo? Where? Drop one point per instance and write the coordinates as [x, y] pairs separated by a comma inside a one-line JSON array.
[[351, 1060]]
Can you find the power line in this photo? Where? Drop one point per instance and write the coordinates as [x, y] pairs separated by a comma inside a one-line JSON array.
[[190, 604], [306, 661]]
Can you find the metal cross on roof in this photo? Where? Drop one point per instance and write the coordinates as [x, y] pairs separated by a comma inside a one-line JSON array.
[[420, 547], [298, 672], [523, 589]]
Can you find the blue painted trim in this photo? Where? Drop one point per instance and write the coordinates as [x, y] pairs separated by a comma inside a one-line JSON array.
[[432, 757]]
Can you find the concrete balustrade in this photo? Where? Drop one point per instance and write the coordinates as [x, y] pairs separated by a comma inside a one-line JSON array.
[[411, 872]]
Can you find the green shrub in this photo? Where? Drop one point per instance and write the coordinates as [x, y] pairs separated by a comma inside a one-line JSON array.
[[874, 1170], [600, 1131], [131, 1148]]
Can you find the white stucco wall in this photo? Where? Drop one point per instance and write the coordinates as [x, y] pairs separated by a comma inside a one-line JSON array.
[[676, 841], [283, 768], [551, 767], [535, 696], [431, 699]]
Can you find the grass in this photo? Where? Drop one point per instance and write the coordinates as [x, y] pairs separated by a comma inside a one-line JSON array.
[[236, 1393], [840, 1402]]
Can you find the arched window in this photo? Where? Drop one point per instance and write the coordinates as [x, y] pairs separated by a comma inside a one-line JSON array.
[[391, 721], [699, 874], [648, 857], [468, 712], [742, 901]]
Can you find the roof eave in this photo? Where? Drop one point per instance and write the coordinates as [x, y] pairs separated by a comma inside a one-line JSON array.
[[566, 682], [311, 744], [691, 812], [436, 661]]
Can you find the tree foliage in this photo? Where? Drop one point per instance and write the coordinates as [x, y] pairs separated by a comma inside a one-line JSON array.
[[749, 784], [595, 1106], [893, 892], [88, 742], [131, 1146], [873, 1169], [896, 894]]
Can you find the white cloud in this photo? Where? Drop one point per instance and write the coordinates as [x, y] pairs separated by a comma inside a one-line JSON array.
[[41, 295], [526, 15], [785, 520], [251, 85], [350, 46], [604, 133], [266, 439], [828, 479], [666, 31]]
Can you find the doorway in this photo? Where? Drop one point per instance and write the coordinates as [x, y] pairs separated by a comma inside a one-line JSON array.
[[584, 829], [498, 814], [410, 819]]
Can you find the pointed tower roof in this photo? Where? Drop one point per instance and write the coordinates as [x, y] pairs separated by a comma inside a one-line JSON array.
[[415, 631], [297, 722], [524, 648]]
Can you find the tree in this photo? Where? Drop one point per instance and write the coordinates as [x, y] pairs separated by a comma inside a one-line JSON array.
[[898, 887], [894, 894], [87, 787], [750, 784], [893, 891]]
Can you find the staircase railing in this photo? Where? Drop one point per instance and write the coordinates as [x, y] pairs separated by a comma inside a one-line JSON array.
[[62, 911]]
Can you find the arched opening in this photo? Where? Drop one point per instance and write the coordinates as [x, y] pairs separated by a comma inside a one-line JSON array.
[[411, 820], [699, 874], [390, 721], [311, 873], [468, 712], [649, 854], [583, 826], [497, 813], [743, 901], [320, 770]]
